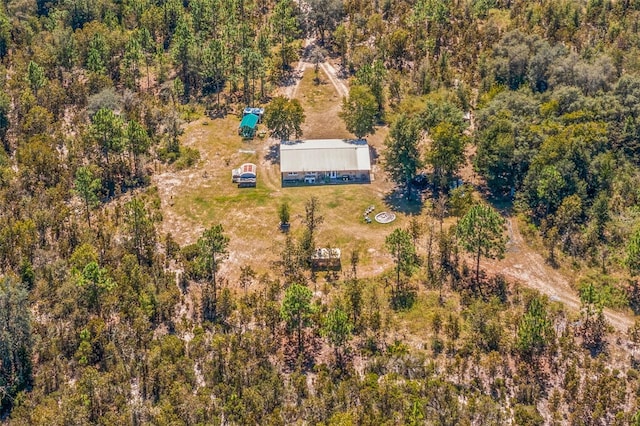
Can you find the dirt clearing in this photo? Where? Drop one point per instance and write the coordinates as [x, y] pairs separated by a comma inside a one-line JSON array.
[[528, 267]]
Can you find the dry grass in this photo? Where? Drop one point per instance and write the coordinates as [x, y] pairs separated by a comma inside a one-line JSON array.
[[321, 105], [197, 198]]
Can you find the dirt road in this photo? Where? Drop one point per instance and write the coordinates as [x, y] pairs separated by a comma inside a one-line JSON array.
[[529, 267], [332, 74], [291, 89]]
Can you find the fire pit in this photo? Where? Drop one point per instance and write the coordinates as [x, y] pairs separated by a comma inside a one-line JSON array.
[[384, 217]]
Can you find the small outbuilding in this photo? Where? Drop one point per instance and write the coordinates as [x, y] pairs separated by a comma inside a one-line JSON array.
[[326, 259], [248, 126], [245, 175]]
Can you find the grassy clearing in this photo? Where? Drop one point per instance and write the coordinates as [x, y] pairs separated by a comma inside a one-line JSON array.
[[201, 196], [321, 105]]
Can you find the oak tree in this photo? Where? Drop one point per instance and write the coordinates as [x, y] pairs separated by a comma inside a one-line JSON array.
[[402, 157], [359, 111], [284, 117]]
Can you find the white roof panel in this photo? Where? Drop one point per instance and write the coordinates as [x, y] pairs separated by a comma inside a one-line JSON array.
[[324, 155]]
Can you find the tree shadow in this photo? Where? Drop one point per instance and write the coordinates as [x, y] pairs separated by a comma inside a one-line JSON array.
[[373, 154], [633, 294], [343, 73], [397, 200], [486, 288], [305, 360], [273, 154], [306, 51], [552, 262], [216, 111], [504, 204], [319, 81], [290, 78]]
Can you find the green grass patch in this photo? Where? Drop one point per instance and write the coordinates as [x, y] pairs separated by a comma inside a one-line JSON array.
[[606, 289], [316, 96], [188, 157], [246, 195], [419, 319]]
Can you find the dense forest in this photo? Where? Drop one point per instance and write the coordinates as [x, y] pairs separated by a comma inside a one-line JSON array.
[[107, 320]]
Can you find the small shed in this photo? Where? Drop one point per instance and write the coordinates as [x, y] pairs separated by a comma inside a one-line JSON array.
[[326, 258], [248, 126], [245, 175]]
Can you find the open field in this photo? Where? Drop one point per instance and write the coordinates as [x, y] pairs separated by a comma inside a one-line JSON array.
[[321, 104], [203, 195]]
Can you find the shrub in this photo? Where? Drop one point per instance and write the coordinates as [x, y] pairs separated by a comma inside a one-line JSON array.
[[188, 157]]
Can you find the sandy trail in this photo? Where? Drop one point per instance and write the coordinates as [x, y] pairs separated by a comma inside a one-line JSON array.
[[291, 90], [332, 74], [529, 267]]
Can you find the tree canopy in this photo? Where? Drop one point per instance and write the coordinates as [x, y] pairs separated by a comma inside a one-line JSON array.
[[481, 233], [296, 311], [284, 117], [126, 300], [402, 155], [359, 111]]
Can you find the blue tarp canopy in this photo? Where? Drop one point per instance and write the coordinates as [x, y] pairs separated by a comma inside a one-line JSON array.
[[250, 121]]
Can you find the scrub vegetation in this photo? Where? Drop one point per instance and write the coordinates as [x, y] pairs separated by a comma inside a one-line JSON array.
[[139, 286]]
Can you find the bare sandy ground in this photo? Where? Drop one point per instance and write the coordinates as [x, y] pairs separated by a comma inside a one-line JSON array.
[[528, 267], [337, 82], [291, 91]]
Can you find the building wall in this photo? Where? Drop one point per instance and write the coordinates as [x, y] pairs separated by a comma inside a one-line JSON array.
[[343, 176]]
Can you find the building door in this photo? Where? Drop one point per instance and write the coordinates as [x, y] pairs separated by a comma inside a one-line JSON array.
[[333, 175]]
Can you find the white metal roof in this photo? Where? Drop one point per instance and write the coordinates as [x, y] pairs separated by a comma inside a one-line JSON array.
[[247, 169], [324, 155]]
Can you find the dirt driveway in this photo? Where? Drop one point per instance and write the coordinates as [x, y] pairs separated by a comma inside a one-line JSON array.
[[527, 266]]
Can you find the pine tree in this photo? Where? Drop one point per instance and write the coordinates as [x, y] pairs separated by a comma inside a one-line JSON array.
[[87, 187], [212, 251], [36, 77], [15, 341], [296, 311], [535, 330], [337, 329], [481, 234]]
